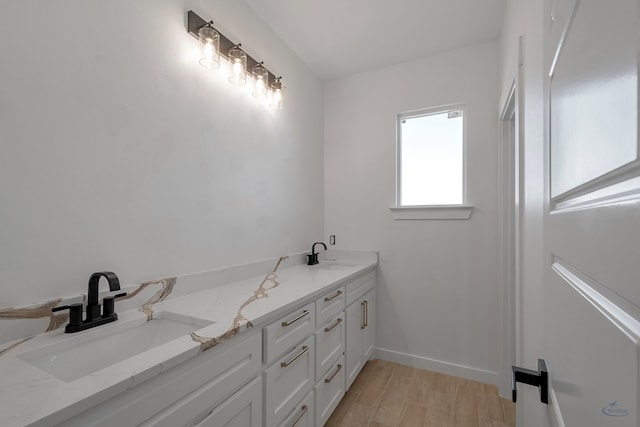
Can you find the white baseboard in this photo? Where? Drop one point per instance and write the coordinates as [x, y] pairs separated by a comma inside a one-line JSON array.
[[448, 368]]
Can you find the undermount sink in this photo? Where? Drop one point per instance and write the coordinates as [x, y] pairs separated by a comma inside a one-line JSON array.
[[333, 265], [90, 351]]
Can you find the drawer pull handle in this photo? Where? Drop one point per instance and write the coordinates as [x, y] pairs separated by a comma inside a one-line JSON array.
[[332, 327], [296, 357], [327, 299], [286, 323], [328, 380], [366, 313], [304, 408], [362, 321]]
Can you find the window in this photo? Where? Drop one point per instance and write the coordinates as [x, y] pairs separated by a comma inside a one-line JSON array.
[[431, 164]]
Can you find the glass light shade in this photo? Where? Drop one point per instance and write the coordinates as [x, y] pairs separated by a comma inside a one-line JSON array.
[[210, 40], [261, 76], [238, 60], [277, 95]]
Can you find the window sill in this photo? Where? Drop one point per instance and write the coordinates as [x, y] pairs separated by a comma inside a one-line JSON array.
[[432, 212]]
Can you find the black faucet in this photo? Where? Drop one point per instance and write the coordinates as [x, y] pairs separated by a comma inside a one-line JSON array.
[[94, 317], [312, 259]]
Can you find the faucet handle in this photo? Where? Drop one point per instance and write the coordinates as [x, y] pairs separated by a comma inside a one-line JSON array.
[[75, 314], [108, 305]]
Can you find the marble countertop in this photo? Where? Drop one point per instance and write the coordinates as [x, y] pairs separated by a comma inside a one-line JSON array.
[[30, 396]]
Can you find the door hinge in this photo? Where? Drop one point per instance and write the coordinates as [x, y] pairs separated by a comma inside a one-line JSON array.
[[539, 379]]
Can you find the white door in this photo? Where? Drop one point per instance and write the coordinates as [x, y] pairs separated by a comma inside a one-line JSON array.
[[592, 221]]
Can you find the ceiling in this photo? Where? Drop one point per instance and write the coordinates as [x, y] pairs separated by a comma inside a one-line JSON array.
[[341, 37]]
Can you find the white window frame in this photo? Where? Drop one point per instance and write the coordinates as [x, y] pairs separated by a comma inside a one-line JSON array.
[[455, 211]]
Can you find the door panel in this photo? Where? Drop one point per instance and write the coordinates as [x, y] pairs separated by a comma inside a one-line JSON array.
[[594, 95], [592, 221], [594, 357]]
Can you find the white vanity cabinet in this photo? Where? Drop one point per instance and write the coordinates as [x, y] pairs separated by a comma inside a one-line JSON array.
[[187, 394], [360, 330]]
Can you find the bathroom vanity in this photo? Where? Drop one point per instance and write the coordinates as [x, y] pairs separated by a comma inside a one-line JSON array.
[[276, 349]]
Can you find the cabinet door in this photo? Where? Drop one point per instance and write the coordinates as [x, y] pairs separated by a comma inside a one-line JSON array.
[[369, 331], [354, 348], [243, 409]]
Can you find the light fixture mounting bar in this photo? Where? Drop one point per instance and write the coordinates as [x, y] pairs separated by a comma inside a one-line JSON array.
[[195, 22]]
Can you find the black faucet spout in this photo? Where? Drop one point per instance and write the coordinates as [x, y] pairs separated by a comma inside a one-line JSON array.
[[93, 307], [313, 257], [313, 248]]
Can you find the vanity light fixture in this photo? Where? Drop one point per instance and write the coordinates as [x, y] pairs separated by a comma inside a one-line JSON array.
[[216, 44], [261, 76], [210, 40]]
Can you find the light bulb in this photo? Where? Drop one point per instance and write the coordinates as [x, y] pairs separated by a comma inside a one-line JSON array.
[[237, 69], [260, 89], [277, 98], [209, 50], [238, 61]]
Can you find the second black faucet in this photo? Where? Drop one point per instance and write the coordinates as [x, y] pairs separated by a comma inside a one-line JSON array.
[[312, 259]]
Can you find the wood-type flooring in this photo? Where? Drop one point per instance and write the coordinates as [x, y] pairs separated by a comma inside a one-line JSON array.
[[387, 394]]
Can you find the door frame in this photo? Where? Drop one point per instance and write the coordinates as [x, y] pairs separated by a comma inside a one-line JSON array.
[[511, 196]]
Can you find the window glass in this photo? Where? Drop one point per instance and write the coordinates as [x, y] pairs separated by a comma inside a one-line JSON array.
[[431, 159]]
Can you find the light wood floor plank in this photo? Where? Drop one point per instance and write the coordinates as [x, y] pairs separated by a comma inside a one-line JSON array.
[[413, 416], [466, 407], [375, 385], [387, 394]]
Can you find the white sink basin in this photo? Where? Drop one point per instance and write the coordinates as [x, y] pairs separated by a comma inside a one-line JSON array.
[[89, 351], [333, 265]]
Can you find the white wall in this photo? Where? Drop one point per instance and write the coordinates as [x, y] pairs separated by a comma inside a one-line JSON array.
[[524, 18], [439, 293], [119, 152]]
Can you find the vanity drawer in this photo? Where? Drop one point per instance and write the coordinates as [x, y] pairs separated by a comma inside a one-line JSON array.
[[302, 415], [243, 409], [329, 305], [329, 391], [360, 286], [288, 331], [288, 379], [329, 344]]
